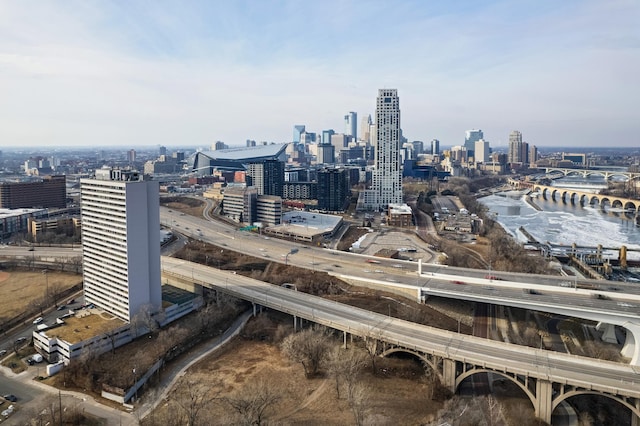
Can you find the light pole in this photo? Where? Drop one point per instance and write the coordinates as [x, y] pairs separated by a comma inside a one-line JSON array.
[[286, 258]]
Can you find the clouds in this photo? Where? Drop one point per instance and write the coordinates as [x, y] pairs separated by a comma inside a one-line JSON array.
[[133, 73]]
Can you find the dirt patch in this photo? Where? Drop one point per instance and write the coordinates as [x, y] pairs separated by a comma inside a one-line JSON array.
[[4, 276], [186, 205], [394, 395], [22, 289], [351, 236]]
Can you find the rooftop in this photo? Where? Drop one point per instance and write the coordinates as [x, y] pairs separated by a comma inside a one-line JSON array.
[[85, 324]]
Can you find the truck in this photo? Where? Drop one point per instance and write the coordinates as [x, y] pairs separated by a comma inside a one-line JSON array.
[[37, 358]]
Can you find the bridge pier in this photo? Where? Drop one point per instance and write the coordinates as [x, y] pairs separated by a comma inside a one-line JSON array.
[[449, 374], [631, 348], [544, 400]]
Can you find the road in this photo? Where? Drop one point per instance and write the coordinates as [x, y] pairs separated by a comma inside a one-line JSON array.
[[595, 374]]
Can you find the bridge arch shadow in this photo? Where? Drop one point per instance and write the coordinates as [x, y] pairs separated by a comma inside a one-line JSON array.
[[433, 362], [522, 383], [564, 396]]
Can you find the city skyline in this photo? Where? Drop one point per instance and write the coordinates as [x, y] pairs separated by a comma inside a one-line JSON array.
[[130, 74]]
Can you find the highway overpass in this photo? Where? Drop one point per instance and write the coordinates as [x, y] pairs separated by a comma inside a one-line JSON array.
[[547, 378]]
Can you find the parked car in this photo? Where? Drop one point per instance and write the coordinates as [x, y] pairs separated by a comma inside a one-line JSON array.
[[3, 352], [11, 397]]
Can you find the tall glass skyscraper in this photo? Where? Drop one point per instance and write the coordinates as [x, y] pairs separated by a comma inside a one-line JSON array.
[[351, 125]]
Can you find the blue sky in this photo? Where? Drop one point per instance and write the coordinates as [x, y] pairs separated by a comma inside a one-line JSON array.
[[131, 73]]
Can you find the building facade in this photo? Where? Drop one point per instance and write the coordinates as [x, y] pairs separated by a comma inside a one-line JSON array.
[[267, 176], [387, 175], [515, 147], [333, 189], [351, 125], [121, 242], [51, 191], [471, 137]]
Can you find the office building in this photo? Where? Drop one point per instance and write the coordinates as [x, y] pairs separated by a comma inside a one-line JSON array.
[[121, 242], [351, 125], [333, 189], [365, 129], [298, 129], [326, 154], [435, 147], [50, 192], [471, 137], [515, 147], [387, 175], [482, 152], [267, 176], [533, 156], [131, 156]]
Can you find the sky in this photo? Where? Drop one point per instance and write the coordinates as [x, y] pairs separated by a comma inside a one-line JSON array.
[[189, 73]]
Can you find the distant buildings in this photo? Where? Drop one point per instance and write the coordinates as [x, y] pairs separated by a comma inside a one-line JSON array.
[[470, 139], [351, 125], [121, 242], [481, 151], [435, 147], [50, 192], [515, 147]]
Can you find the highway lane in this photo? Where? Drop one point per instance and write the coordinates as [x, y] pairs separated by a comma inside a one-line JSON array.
[[580, 371]]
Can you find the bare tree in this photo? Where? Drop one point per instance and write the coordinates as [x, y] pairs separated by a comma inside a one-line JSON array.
[[345, 366], [359, 403], [193, 396], [253, 402], [308, 347]]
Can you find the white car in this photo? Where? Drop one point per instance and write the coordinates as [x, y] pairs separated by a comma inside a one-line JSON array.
[[38, 320]]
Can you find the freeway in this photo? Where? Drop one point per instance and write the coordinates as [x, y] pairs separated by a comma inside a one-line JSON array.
[[438, 279], [579, 371]]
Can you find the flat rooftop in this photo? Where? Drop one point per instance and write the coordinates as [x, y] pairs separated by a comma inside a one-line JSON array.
[[85, 324], [307, 223]]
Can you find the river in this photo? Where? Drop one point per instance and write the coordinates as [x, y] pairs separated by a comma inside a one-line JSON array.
[[565, 224]]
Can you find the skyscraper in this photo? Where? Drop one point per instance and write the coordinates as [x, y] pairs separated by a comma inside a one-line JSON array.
[[387, 175], [351, 125], [470, 139], [515, 147], [481, 152], [121, 242], [435, 147], [365, 128], [297, 131]]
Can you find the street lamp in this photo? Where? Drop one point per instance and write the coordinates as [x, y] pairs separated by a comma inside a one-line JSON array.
[[286, 258]]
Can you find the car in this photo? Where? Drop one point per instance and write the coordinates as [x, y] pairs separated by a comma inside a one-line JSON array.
[[38, 320], [3, 352], [492, 277], [61, 307], [11, 397], [457, 282], [71, 301], [21, 339]]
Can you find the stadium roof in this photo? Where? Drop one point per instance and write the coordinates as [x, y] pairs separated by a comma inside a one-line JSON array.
[[236, 158]]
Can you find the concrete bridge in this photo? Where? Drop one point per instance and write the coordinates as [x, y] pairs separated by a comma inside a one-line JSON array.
[[607, 174], [546, 378], [572, 196]]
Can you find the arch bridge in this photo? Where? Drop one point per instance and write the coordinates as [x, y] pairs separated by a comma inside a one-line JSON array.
[[571, 196], [546, 377]]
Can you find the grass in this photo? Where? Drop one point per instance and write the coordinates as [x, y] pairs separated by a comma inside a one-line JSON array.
[[21, 289]]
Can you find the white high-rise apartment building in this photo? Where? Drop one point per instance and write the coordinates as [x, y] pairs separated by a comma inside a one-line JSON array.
[[121, 242], [387, 175]]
